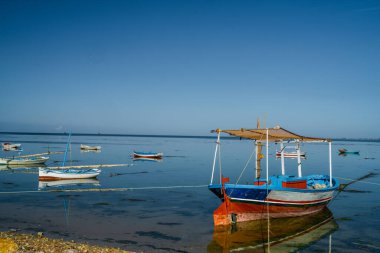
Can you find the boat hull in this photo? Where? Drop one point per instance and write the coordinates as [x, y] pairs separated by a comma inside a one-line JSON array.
[[86, 147], [28, 161], [249, 202], [147, 155], [50, 175]]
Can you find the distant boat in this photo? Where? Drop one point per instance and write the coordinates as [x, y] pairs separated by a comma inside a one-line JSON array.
[[291, 155], [49, 174], [24, 160], [11, 146], [147, 154], [345, 151], [87, 147]]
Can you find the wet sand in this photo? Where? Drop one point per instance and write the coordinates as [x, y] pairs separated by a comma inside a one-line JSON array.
[[12, 242]]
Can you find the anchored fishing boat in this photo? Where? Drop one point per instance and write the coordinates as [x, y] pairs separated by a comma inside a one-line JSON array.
[[280, 195], [11, 146], [62, 173], [87, 147], [345, 151], [147, 155], [49, 174], [24, 160]]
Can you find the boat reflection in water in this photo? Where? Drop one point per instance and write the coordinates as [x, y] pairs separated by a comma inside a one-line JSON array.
[[283, 235], [147, 159], [21, 168], [45, 185], [90, 150]]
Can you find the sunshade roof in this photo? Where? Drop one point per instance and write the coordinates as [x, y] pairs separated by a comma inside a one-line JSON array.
[[274, 134]]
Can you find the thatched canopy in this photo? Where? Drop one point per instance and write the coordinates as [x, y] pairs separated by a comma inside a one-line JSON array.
[[274, 134]]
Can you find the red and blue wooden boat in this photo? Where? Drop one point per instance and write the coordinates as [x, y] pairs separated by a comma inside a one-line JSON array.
[[277, 196]]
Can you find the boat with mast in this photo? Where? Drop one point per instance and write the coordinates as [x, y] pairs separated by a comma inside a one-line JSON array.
[[279, 196], [49, 174]]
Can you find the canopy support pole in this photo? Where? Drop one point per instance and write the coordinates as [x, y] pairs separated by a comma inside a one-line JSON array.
[[330, 161], [282, 158], [216, 152], [299, 159], [259, 156]]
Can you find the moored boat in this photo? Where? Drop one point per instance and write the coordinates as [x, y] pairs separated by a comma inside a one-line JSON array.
[[281, 195], [24, 160], [345, 151], [87, 147], [147, 154], [11, 146], [49, 174]]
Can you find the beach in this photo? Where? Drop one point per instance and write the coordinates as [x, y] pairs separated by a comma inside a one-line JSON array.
[[12, 242]]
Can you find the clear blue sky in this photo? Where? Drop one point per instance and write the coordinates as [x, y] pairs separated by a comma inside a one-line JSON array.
[[186, 67]]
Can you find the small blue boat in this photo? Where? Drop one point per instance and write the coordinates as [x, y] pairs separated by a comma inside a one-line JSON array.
[[147, 155], [345, 151]]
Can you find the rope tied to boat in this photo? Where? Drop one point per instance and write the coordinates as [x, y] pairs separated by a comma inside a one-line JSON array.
[[107, 189]]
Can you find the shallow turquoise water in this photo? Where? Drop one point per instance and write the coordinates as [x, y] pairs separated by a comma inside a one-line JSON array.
[[152, 219]]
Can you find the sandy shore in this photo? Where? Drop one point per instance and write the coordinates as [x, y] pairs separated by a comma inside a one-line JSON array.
[[12, 242]]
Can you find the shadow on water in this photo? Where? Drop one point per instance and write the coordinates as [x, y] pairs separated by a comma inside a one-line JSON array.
[[274, 235]]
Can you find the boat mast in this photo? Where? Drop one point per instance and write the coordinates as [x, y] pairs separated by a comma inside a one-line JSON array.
[[330, 161], [282, 158], [259, 155], [216, 151], [67, 147]]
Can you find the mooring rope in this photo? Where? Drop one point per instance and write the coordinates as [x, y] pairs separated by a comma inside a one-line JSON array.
[[107, 189], [245, 167]]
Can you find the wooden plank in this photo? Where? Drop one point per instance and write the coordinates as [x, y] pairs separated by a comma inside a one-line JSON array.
[[87, 166]]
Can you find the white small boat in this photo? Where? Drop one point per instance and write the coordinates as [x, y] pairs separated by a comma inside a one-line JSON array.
[[24, 160], [11, 146], [50, 174], [87, 147]]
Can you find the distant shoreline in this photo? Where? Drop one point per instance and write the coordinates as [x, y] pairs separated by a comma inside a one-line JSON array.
[[165, 136]]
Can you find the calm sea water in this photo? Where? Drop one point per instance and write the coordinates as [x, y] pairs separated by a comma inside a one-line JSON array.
[[149, 218]]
